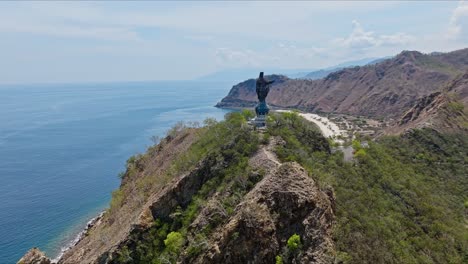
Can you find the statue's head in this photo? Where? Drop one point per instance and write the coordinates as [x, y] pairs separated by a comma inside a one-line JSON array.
[[261, 75]]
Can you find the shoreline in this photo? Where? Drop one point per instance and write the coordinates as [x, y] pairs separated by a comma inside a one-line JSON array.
[[91, 223], [328, 128]]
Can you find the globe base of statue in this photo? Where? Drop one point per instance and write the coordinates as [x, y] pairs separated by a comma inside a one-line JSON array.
[[262, 109]]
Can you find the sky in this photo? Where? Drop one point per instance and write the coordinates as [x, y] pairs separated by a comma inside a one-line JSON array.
[[87, 41]]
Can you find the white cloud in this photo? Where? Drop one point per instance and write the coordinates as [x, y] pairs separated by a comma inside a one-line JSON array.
[[458, 28], [71, 31], [63, 20], [292, 19], [361, 40], [281, 55], [236, 58], [209, 36], [396, 39], [358, 44]]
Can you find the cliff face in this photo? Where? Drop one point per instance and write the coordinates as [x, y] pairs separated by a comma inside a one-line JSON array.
[[386, 89]]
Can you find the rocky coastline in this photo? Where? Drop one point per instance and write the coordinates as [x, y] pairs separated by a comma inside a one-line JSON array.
[[90, 224], [36, 256]]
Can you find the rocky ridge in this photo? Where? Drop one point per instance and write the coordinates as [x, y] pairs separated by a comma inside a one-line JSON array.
[[285, 202]]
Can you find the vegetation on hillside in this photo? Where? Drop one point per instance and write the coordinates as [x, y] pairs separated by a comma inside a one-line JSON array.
[[401, 201], [228, 145]]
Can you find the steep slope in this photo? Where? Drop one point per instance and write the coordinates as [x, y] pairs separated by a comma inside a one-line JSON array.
[[386, 89], [142, 185], [445, 110]]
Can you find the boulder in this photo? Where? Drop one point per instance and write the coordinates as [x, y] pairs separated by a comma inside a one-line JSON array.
[[34, 256]]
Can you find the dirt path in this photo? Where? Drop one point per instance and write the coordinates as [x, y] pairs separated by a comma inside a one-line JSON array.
[[271, 156], [265, 157]]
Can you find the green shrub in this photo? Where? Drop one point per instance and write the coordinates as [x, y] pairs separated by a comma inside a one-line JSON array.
[[361, 153], [279, 260], [294, 242], [356, 145], [248, 114], [117, 200], [455, 106], [174, 242], [266, 138], [124, 255]]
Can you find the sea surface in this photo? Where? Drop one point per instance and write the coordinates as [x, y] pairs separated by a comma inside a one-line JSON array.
[[63, 145]]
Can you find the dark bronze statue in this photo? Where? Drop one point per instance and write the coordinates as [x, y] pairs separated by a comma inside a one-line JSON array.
[[262, 89]]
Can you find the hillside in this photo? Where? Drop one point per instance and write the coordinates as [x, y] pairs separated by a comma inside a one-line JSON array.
[[444, 110], [386, 89], [225, 193]]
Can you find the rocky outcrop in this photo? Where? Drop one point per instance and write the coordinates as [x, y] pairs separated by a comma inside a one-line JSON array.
[[386, 89], [34, 256], [424, 106], [284, 203], [458, 88]]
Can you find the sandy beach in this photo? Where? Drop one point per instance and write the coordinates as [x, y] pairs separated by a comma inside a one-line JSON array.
[[328, 128]]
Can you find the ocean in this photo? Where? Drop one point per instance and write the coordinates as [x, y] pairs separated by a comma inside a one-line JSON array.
[[62, 147]]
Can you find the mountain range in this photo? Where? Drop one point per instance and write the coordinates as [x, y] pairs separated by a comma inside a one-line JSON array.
[[386, 89], [239, 74]]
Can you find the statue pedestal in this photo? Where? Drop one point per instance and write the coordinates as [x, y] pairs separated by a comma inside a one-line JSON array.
[[259, 121], [262, 111]]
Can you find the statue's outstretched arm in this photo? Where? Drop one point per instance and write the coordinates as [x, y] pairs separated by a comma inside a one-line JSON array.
[[270, 82]]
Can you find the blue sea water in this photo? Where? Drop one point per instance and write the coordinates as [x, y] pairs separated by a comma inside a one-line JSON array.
[[62, 147]]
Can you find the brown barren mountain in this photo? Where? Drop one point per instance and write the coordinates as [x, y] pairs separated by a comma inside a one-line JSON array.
[[443, 110], [385, 90]]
